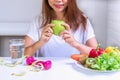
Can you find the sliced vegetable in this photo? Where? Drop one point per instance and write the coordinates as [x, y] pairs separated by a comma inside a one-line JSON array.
[[78, 57]]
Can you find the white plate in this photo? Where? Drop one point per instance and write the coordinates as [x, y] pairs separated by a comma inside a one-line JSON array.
[[92, 70]]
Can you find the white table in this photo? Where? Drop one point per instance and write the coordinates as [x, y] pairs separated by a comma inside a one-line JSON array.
[[62, 69]]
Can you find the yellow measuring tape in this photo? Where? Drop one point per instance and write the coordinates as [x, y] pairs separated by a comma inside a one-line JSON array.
[[32, 67], [13, 65]]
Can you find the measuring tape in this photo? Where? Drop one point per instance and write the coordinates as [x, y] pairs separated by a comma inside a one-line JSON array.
[[13, 65], [33, 67], [36, 66]]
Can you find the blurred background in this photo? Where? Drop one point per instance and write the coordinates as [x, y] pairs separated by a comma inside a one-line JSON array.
[[16, 15]]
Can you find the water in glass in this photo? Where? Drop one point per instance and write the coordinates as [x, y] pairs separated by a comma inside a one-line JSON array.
[[16, 49]]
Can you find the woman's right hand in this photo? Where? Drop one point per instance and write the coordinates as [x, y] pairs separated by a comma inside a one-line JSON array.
[[46, 33]]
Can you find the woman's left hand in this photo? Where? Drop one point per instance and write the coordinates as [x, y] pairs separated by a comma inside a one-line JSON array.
[[67, 35]]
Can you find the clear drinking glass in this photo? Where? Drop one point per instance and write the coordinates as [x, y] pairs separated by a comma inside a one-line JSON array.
[[16, 49]]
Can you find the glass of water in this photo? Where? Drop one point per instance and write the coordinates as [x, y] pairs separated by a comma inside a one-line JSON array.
[[16, 47]]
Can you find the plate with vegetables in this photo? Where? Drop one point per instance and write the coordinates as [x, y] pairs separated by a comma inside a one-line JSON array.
[[100, 60]]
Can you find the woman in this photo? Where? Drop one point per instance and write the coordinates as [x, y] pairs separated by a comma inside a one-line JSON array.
[[77, 38]]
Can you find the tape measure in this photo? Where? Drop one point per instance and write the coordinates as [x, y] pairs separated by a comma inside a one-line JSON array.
[[13, 65], [36, 66]]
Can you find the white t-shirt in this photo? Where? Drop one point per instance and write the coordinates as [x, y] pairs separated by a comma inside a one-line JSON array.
[[56, 46]]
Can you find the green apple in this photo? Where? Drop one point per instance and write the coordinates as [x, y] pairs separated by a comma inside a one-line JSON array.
[[58, 26]]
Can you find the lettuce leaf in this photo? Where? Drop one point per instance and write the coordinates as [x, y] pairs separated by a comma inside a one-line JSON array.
[[106, 61]]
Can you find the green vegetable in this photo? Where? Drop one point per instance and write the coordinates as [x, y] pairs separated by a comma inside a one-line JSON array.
[[106, 61]]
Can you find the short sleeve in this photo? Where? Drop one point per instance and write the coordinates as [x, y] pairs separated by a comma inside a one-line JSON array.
[[33, 31], [89, 33]]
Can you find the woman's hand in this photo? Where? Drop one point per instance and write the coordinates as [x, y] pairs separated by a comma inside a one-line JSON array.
[[68, 36], [46, 33]]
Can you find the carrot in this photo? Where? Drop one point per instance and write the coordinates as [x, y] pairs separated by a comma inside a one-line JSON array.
[[78, 56]]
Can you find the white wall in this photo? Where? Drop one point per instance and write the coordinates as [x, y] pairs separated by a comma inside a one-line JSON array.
[[15, 15], [19, 10], [96, 10], [114, 23]]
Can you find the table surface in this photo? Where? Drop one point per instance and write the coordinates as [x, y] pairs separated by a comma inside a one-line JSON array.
[[62, 69]]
